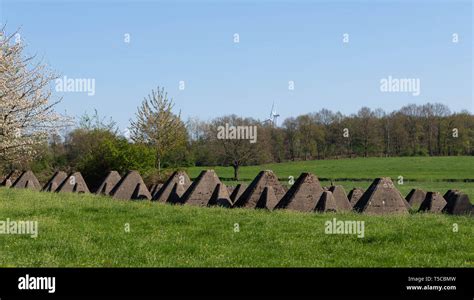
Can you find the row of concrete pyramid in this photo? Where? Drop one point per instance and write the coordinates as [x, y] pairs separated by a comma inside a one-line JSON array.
[[129, 187], [60, 182], [265, 191]]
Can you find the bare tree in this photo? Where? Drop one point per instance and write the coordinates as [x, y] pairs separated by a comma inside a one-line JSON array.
[[196, 128], [368, 130], [291, 137], [412, 115], [234, 151], [157, 126]]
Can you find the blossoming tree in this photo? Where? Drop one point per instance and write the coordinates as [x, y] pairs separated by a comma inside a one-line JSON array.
[[26, 111]]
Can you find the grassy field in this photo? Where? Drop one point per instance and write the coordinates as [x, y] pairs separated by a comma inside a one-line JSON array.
[[428, 173], [86, 230], [414, 168]]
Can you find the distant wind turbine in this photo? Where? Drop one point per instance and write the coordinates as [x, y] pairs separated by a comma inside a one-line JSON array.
[[273, 116]]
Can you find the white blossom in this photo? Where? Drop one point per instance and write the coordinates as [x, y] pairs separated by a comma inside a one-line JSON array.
[[26, 113]]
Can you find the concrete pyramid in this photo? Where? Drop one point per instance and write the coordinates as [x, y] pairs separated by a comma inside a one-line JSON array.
[[11, 178], [230, 189], [339, 194], [354, 195], [303, 195], [109, 182], [252, 194], [131, 187], [55, 181], [458, 204], [433, 202], [173, 188], [327, 203], [154, 188], [267, 199], [415, 197], [7, 182], [202, 191], [237, 192], [382, 197], [27, 180], [74, 183], [449, 194], [220, 197], [175, 194]]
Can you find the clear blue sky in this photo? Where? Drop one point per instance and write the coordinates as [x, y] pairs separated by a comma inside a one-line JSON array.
[[279, 41]]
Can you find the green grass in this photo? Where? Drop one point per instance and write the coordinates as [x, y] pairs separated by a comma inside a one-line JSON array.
[[418, 168], [429, 173], [87, 230]]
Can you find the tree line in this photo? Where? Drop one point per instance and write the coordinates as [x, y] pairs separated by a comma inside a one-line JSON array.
[[413, 130]]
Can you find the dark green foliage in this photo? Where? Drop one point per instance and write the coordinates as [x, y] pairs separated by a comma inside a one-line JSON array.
[[115, 153]]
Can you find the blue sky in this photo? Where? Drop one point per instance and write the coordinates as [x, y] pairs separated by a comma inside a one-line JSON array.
[[280, 41]]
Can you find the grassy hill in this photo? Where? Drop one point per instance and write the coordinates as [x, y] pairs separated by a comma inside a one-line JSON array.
[[428, 173], [88, 230]]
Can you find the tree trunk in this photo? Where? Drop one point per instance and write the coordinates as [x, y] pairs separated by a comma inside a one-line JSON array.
[[366, 148], [158, 164], [236, 171]]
